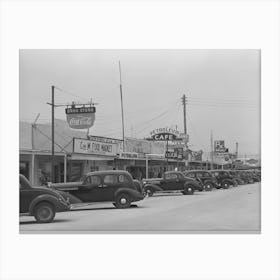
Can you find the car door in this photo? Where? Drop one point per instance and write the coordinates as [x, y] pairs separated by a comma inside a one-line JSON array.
[[171, 182], [200, 177], [91, 190]]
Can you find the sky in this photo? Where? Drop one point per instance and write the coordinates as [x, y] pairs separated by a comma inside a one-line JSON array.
[[222, 88]]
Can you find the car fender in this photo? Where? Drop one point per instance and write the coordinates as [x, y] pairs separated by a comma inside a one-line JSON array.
[[154, 187], [44, 197], [131, 192], [229, 181], [195, 185]]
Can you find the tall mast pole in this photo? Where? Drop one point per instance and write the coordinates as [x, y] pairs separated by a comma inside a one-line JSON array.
[[211, 149], [184, 107], [52, 168], [121, 104]]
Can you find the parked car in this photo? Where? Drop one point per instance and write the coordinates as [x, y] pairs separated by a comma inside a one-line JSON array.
[[40, 202], [236, 176], [224, 179], [204, 177], [254, 177], [116, 186], [245, 176], [171, 181]]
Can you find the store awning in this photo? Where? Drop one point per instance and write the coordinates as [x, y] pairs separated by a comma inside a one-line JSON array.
[[90, 157]]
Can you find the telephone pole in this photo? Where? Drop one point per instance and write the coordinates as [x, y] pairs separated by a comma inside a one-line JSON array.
[[211, 149], [121, 103], [185, 124], [52, 105], [184, 107]]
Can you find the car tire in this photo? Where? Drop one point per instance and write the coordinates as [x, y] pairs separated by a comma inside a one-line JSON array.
[[188, 190], [44, 212], [208, 187], [123, 200], [225, 185], [149, 192]]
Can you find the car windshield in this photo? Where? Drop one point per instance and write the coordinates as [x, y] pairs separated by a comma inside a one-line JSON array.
[[24, 183]]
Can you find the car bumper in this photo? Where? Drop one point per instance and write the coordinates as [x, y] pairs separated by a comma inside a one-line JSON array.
[[63, 206], [138, 196]]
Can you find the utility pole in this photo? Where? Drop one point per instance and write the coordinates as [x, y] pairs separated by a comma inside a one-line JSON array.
[[185, 124], [211, 149], [52, 105], [184, 107], [236, 150], [121, 103]]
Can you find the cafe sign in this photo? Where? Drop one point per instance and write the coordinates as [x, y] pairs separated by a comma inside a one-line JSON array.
[[85, 146], [165, 134], [80, 117]]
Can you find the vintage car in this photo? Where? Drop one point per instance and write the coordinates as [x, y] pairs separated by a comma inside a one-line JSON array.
[[224, 179], [236, 176], [253, 176], [116, 186], [245, 176], [171, 181], [40, 202], [202, 176]]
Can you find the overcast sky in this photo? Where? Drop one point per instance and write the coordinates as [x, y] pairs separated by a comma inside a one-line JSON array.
[[222, 89]]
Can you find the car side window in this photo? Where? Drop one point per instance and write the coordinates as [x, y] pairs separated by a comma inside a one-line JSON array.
[[123, 179], [199, 174], [93, 180], [192, 175], [171, 176], [110, 179], [206, 174]]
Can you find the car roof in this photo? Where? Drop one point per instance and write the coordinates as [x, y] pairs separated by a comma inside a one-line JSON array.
[[219, 170], [177, 172], [108, 172], [196, 170]]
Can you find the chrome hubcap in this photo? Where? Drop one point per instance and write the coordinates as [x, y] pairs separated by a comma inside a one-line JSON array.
[[123, 200], [44, 213]]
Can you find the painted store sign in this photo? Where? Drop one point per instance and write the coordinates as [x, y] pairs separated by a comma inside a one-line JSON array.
[[85, 146]]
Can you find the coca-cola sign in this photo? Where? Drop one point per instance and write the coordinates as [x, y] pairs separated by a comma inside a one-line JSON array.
[[80, 118]]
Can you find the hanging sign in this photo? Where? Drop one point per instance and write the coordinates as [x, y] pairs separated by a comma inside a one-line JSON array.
[[165, 134], [80, 117]]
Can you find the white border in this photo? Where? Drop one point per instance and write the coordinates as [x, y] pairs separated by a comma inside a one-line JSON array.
[[156, 24]]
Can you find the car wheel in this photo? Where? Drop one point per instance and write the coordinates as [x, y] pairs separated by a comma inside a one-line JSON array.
[[225, 185], [208, 187], [44, 212], [123, 201], [189, 190], [149, 192]]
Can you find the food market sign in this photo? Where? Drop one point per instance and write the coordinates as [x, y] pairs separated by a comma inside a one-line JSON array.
[[80, 117], [165, 134], [85, 146]]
